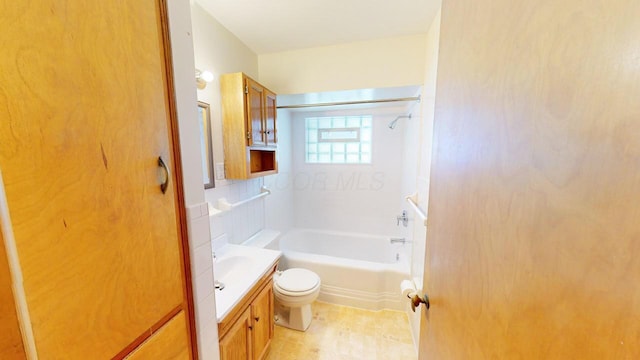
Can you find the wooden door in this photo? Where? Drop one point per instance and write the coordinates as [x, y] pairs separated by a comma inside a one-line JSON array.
[[86, 109], [255, 114], [236, 343], [262, 319], [11, 346], [270, 118], [534, 231]]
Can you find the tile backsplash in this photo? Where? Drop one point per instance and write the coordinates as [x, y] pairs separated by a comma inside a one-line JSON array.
[[238, 224]]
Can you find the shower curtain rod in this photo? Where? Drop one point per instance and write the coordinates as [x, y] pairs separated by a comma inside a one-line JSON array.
[[413, 98]]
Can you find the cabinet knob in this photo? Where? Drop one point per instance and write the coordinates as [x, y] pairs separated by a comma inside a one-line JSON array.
[[250, 327], [257, 318]]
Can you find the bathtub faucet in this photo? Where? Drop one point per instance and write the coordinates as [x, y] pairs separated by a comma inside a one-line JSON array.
[[398, 240], [404, 218]]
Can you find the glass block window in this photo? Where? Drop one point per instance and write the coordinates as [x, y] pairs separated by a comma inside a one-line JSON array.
[[338, 139]]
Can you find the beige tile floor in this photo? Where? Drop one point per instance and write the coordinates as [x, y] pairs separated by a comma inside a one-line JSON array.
[[345, 333]]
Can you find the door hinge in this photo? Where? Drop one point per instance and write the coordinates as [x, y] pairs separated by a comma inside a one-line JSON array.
[[248, 135], [246, 89]]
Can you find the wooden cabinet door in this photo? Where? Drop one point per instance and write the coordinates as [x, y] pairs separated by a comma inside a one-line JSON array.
[[86, 110], [270, 118], [255, 113], [534, 229], [262, 319], [236, 343]]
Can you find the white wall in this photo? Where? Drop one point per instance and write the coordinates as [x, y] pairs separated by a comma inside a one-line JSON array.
[[389, 62], [424, 137], [198, 224], [345, 197], [219, 51]]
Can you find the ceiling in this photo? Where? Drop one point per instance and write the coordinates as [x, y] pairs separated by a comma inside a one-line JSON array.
[[281, 25]]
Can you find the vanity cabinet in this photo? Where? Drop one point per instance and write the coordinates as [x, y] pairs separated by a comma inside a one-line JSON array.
[[246, 333], [249, 127], [262, 319], [236, 344]]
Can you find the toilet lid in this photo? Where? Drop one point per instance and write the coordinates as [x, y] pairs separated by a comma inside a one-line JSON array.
[[298, 280]]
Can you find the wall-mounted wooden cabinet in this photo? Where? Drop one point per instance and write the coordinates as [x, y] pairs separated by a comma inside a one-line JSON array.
[[247, 331], [249, 127]]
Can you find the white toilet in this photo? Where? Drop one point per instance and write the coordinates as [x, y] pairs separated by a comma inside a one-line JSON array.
[[294, 290]]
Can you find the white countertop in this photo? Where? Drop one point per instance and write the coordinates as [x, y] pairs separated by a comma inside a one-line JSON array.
[[239, 268]]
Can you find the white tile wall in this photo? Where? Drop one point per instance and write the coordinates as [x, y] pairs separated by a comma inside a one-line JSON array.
[[220, 241], [202, 273], [220, 225], [279, 211], [274, 211], [208, 317], [353, 198], [202, 259], [209, 332], [204, 285], [239, 223]]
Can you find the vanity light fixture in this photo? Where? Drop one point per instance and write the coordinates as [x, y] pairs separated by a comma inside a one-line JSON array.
[[202, 78]]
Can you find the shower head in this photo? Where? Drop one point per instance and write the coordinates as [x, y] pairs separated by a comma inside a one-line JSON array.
[[392, 125]]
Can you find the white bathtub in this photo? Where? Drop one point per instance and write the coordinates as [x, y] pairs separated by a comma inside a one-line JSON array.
[[357, 270]]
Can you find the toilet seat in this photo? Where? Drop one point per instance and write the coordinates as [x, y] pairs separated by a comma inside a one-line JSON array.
[[296, 282]]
